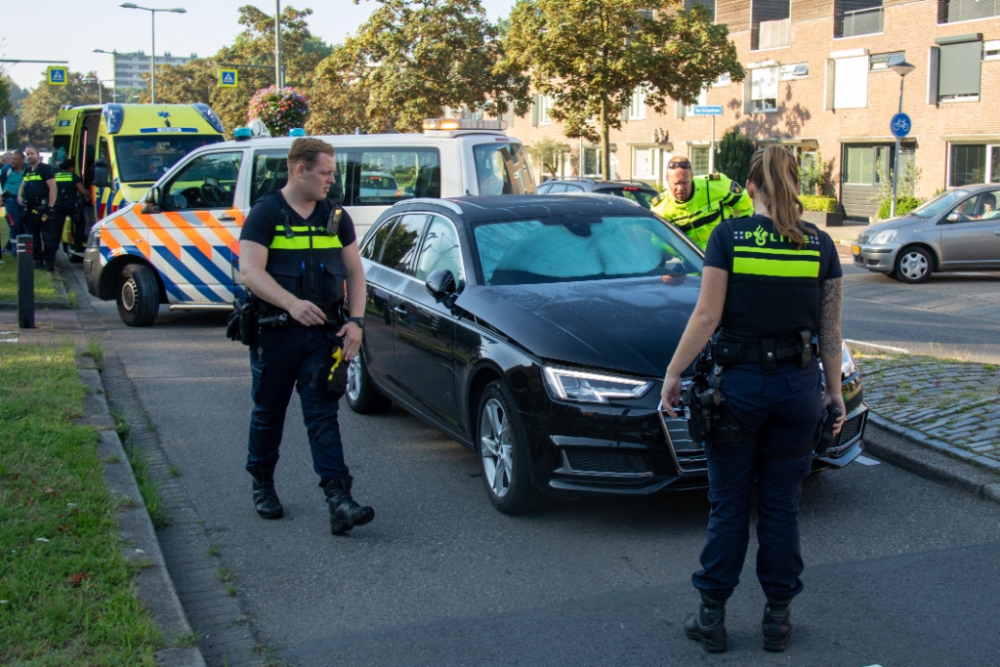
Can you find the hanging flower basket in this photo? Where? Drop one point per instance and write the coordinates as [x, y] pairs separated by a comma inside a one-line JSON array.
[[280, 110]]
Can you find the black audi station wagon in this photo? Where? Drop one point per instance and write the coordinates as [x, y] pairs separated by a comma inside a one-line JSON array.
[[536, 331]]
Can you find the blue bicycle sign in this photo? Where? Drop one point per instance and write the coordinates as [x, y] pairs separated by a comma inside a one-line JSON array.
[[900, 125]]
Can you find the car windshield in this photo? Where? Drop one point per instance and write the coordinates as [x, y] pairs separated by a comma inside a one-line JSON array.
[[146, 159], [943, 202], [568, 249], [642, 197]]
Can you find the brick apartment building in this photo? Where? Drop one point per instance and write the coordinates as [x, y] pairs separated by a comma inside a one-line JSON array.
[[818, 81]]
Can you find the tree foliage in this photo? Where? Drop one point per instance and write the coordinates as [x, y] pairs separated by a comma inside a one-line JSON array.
[[339, 102], [591, 55], [412, 58], [39, 109], [548, 153], [732, 156]]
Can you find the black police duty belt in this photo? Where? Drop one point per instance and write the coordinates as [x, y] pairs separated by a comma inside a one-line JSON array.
[[767, 352]]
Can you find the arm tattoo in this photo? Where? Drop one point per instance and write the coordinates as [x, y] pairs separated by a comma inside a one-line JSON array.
[[829, 316]]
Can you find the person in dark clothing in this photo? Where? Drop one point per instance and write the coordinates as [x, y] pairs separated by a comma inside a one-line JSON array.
[[38, 196], [297, 250], [71, 197], [769, 279]]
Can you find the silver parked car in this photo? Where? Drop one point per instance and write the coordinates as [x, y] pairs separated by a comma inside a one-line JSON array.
[[958, 230]]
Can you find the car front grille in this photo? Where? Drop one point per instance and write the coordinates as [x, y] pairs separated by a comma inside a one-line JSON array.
[[589, 461], [851, 429], [690, 454]]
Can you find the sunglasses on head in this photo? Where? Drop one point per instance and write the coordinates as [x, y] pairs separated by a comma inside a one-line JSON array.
[[680, 164]]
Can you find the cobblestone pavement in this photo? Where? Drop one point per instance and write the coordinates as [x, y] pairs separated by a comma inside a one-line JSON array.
[[945, 401]]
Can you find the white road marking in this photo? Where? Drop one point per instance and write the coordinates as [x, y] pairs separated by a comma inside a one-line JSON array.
[[865, 461], [880, 347]]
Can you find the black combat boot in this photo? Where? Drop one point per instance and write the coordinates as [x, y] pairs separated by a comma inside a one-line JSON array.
[[708, 626], [344, 512], [776, 625], [265, 499]]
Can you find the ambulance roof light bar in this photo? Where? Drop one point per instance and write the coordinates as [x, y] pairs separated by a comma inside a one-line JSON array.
[[464, 124]]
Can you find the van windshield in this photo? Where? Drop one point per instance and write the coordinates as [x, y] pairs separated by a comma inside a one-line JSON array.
[[503, 169], [148, 158]]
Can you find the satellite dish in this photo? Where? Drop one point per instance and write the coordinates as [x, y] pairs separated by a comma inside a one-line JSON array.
[[258, 128]]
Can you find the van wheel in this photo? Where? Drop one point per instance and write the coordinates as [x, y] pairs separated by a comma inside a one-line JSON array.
[[138, 295], [362, 394]]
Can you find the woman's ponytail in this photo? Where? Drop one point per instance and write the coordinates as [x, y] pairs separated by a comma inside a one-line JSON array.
[[774, 174]]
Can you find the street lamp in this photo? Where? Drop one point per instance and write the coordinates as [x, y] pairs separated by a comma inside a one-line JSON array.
[[100, 92], [152, 58], [902, 68]]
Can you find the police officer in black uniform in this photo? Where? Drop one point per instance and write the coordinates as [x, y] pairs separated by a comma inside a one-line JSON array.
[[771, 281], [70, 199], [38, 196], [297, 248]]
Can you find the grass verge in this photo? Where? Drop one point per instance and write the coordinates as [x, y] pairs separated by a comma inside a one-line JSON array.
[[45, 288], [66, 588], [139, 460]]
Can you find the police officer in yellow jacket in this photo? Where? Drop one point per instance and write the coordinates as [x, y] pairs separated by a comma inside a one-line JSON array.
[[697, 204], [38, 195]]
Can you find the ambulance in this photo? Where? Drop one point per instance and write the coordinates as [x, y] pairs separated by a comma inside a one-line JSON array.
[[180, 245], [119, 150]]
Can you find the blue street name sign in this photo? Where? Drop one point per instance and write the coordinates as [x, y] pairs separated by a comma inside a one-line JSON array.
[[707, 110], [900, 125], [57, 76]]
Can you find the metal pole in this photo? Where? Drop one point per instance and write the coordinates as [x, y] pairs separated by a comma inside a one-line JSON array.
[[277, 45], [711, 151], [25, 281], [100, 99], [895, 170], [5, 134], [152, 64]]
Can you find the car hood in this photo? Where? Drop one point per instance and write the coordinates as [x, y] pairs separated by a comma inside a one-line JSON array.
[[902, 222], [627, 325]]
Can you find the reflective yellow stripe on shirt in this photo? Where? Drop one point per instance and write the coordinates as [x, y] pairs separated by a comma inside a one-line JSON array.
[[319, 242], [781, 268]]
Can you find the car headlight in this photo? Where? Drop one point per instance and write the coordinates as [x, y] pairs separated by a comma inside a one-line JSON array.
[[847, 365], [568, 385], [884, 237]]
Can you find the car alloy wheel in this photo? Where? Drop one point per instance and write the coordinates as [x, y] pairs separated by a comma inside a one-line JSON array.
[[913, 265], [495, 447], [362, 394]]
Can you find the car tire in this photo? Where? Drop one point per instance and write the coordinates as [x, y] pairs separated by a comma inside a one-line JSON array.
[[502, 445], [362, 394], [138, 295], [913, 265]]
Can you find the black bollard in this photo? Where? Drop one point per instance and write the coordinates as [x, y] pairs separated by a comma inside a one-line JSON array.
[[25, 281]]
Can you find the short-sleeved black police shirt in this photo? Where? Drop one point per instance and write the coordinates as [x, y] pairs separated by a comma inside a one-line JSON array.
[[265, 216], [719, 252], [35, 189]]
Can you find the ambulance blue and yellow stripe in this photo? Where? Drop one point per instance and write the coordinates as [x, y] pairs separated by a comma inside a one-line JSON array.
[[107, 200]]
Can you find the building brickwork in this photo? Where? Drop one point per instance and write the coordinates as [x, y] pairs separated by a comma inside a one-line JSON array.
[[805, 117]]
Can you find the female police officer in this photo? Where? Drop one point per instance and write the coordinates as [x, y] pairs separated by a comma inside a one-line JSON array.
[[767, 279]]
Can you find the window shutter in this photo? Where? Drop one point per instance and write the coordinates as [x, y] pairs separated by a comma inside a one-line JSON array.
[[535, 103], [960, 68], [933, 67], [850, 88], [678, 109], [828, 84]]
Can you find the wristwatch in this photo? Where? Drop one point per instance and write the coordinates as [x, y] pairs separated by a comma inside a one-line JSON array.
[[360, 321]]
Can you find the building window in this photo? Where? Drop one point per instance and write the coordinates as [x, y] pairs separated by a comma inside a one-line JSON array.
[[991, 50], [972, 163], [863, 163], [544, 107], [952, 11], [592, 162], [644, 163], [723, 80], [883, 61], [770, 24], [636, 109], [959, 69], [793, 72], [763, 89], [850, 85], [699, 160], [699, 101], [854, 20]]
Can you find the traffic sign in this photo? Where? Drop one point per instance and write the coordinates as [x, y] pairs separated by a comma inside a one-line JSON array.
[[228, 78], [707, 110], [900, 125], [56, 75]]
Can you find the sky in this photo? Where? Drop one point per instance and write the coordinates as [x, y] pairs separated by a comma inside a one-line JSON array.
[[71, 29]]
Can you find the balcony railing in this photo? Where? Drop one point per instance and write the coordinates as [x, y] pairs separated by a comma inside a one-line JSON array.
[[862, 22], [967, 10], [773, 34]]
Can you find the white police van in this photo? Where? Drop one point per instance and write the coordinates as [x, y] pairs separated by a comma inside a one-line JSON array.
[[181, 245]]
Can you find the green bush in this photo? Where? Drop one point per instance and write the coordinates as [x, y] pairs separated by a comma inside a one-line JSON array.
[[819, 203], [903, 206]]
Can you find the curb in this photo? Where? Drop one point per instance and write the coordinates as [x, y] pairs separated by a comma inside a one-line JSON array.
[[153, 584], [931, 459]]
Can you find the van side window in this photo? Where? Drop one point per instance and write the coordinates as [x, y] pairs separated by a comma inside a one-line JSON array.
[[503, 169], [401, 245], [207, 182], [389, 175], [270, 173], [373, 248]]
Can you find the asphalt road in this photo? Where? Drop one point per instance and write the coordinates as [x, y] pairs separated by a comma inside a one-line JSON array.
[[900, 572]]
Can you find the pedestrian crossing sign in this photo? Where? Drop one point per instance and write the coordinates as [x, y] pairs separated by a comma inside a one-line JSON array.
[[57, 75], [228, 78]]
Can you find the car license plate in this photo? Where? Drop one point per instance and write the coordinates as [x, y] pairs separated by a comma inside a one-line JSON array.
[[856, 249]]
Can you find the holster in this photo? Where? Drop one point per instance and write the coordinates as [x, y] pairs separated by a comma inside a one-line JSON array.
[[329, 378], [243, 323]]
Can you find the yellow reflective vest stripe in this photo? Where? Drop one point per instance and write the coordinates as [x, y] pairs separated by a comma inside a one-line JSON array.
[[711, 200]]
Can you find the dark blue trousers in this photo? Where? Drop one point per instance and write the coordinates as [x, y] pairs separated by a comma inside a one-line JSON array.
[[780, 410], [286, 354]]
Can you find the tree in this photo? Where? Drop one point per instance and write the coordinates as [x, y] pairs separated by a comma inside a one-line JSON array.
[[548, 153], [40, 108], [339, 101], [415, 57], [732, 157], [591, 55]]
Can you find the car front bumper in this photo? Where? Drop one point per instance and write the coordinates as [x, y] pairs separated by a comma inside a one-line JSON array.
[[92, 270], [880, 258]]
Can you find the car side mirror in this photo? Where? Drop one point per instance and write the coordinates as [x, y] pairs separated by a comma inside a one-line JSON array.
[[442, 286], [153, 203], [953, 217], [101, 178]]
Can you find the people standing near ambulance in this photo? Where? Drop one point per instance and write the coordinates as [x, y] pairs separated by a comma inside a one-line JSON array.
[[38, 196], [11, 175], [697, 204]]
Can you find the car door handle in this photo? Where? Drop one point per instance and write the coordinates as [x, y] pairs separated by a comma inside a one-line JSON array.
[[400, 310], [226, 217]]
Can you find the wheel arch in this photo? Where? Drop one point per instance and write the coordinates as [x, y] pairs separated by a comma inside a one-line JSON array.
[[108, 286], [481, 376], [923, 245]]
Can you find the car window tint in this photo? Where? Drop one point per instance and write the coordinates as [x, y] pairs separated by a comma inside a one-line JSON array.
[[373, 247], [440, 250], [573, 188], [503, 169], [543, 189], [389, 175], [581, 248], [207, 182], [401, 244], [556, 188], [642, 197]]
